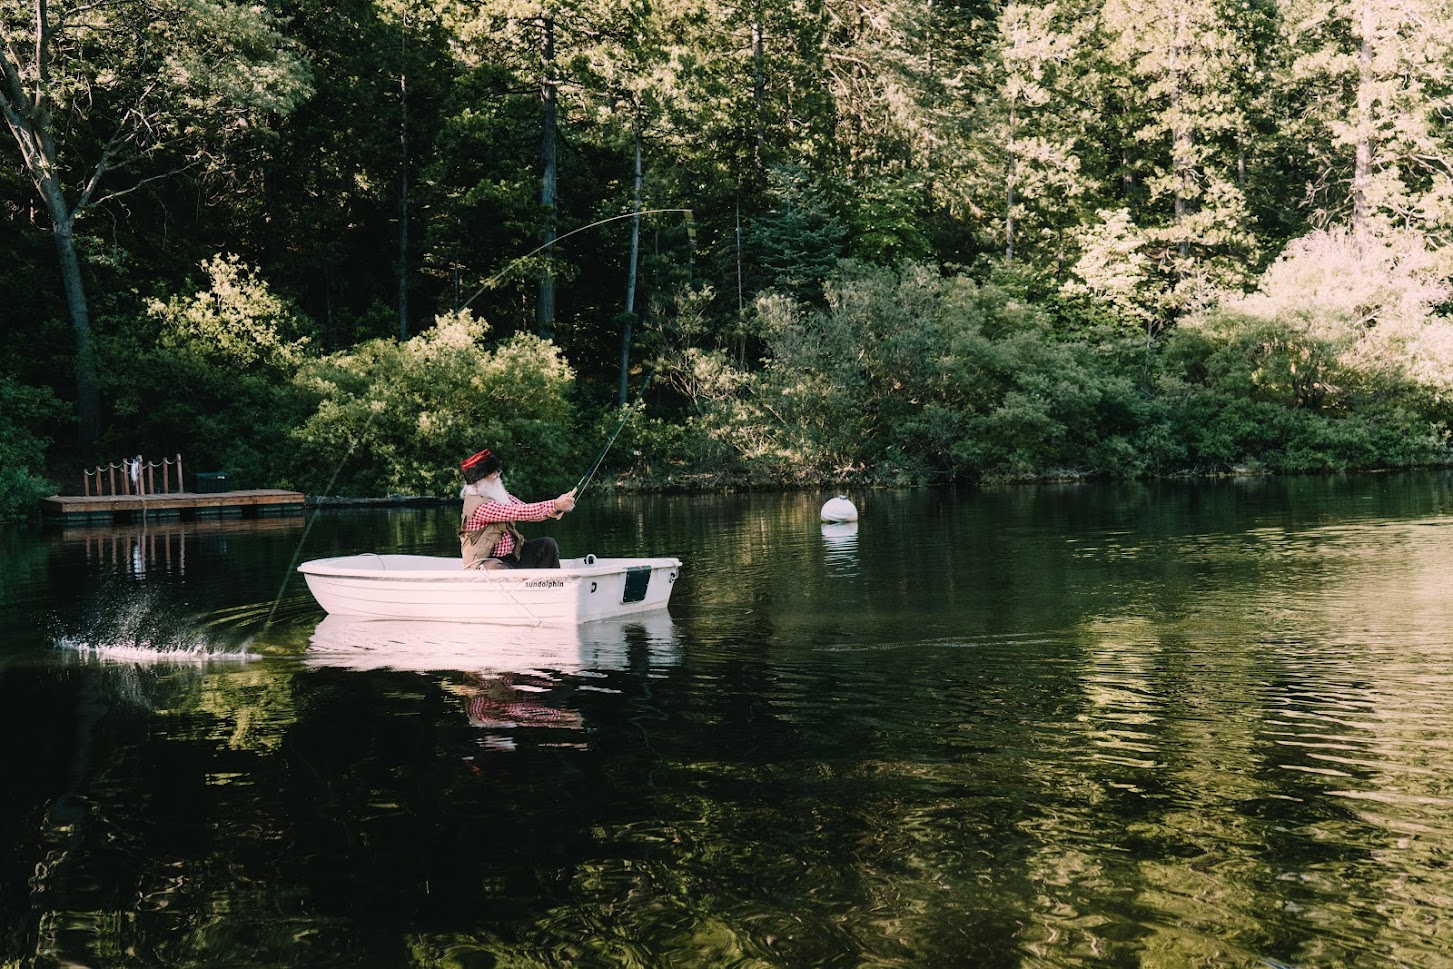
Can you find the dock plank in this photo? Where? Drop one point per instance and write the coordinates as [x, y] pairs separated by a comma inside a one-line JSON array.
[[109, 509]]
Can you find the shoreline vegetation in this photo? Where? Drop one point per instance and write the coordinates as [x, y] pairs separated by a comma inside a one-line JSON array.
[[334, 249], [896, 377], [722, 484]]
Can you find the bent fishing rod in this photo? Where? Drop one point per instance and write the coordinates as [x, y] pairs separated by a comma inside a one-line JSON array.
[[580, 486], [690, 228]]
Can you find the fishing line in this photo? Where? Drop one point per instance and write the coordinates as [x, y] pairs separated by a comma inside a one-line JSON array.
[[690, 228], [580, 486], [502, 583], [297, 552]]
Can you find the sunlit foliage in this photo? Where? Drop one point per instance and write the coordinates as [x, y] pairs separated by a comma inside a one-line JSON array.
[[237, 321], [397, 418], [1090, 237], [919, 376], [208, 374]]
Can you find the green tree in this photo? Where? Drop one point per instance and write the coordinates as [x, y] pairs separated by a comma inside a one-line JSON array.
[[1373, 82], [1040, 126], [209, 374], [94, 94], [542, 43], [550, 51], [1185, 65], [798, 241]]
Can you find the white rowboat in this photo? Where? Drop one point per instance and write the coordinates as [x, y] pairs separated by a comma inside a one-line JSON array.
[[438, 587]]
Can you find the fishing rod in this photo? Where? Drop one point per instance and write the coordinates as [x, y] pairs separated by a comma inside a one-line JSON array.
[[580, 486], [690, 228]]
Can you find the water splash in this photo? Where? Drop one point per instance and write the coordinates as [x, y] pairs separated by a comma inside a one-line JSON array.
[[133, 628], [148, 651]]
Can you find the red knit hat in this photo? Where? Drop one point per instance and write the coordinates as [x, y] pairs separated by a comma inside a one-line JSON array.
[[480, 465]]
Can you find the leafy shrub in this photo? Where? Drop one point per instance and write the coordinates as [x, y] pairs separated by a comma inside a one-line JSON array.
[[237, 321], [1250, 392], [22, 450], [210, 376], [842, 384], [397, 418], [910, 375], [1370, 300]]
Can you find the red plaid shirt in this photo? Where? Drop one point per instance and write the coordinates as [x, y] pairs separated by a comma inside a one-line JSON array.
[[516, 511]]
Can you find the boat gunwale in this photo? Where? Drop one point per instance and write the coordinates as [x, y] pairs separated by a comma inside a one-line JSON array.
[[328, 568]]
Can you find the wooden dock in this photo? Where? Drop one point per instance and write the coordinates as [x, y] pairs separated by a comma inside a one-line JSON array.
[[175, 506]]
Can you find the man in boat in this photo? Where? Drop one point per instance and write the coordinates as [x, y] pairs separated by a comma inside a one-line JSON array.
[[488, 538]]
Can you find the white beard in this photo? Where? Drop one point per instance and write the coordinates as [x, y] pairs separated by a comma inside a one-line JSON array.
[[490, 489]]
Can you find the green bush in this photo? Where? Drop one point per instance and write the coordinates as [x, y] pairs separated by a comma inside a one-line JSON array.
[[397, 418], [1033, 403], [23, 409], [1245, 392], [913, 375], [210, 376]]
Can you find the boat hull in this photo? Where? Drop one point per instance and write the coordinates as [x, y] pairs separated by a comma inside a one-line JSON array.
[[435, 587]]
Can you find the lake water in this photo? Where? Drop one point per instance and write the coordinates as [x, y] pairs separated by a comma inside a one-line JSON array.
[[1201, 724]]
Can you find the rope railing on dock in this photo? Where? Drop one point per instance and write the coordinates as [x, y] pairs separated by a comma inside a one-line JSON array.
[[133, 476]]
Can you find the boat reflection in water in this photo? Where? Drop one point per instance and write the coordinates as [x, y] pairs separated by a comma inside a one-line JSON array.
[[507, 677], [648, 640]]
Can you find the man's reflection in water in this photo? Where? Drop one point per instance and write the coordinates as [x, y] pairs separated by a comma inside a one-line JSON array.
[[498, 703]]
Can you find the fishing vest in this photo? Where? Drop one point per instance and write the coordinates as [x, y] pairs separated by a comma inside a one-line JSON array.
[[477, 544]]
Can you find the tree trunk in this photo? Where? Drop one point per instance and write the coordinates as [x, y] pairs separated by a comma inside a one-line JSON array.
[[1009, 189], [403, 297], [62, 220], [1362, 170], [1181, 145], [932, 93], [622, 390], [88, 400], [29, 121], [741, 293], [330, 330], [759, 91], [1182, 140], [545, 306]]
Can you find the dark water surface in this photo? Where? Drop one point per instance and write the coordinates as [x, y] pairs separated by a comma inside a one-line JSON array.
[[1181, 725]]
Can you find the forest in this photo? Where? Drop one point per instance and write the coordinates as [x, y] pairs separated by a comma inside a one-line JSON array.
[[860, 243]]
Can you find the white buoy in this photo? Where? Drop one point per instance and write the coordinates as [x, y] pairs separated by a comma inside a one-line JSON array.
[[839, 509]]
